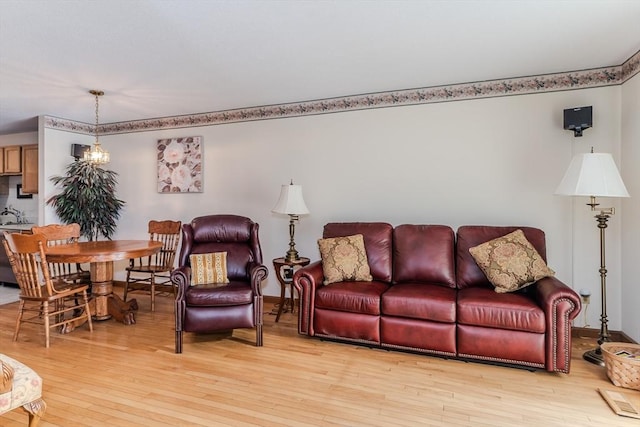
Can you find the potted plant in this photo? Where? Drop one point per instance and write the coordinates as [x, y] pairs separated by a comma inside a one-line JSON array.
[[88, 198]]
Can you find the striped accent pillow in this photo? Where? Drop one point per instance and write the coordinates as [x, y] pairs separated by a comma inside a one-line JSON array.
[[208, 268]]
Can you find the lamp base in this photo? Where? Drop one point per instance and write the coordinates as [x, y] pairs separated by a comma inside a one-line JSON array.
[[292, 255], [594, 356]]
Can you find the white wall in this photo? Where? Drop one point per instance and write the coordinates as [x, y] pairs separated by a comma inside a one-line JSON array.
[[630, 125], [491, 161]]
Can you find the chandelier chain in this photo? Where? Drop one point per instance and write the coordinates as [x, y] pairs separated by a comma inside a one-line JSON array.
[[96, 94], [96, 154]]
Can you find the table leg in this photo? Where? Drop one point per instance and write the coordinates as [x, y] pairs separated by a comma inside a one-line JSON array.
[[107, 303]]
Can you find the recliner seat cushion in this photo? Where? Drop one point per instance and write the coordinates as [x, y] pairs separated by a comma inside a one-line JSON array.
[[420, 301], [515, 311], [354, 297], [219, 295]]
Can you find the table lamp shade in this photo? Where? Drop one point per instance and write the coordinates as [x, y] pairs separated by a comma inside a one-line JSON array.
[[592, 174], [291, 201]]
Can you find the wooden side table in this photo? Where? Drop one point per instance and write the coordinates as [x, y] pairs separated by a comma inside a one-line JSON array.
[[284, 272]]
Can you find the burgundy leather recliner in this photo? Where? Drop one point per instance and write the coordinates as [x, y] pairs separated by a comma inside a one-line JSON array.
[[212, 307]]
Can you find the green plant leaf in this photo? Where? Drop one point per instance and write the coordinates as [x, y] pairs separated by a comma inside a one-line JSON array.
[[88, 198]]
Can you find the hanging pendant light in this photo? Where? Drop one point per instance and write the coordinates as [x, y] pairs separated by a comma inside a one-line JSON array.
[[96, 154]]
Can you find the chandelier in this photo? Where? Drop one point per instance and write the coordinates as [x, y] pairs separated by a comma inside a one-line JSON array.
[[96, 154]]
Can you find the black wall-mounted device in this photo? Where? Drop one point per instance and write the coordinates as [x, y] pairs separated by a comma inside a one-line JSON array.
[[77, 150], [578, 119]]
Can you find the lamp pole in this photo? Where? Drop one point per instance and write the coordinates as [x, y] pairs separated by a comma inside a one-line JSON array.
[[595, 355]]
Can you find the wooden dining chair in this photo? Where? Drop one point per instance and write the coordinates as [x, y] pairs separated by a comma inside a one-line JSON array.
[[57, 234], [54, 303], [152, 273]]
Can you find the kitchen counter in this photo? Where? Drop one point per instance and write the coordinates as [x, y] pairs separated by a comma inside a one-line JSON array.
[[16, 227]]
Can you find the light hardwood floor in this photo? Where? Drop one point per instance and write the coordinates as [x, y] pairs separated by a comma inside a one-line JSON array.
[[130, 376]]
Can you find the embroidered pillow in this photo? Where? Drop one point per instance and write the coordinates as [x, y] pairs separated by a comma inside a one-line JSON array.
[[208, 268], [510, 262], [344, 259]]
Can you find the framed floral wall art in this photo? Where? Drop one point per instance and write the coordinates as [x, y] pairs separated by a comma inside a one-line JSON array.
[[180, 165]]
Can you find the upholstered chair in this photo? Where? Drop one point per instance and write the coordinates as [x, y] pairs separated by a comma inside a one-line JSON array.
[[219, 277], [20, 386]]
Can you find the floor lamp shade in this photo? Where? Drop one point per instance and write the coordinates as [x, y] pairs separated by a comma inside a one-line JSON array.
[[592, 174]]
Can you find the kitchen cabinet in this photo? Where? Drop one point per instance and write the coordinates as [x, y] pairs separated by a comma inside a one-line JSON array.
[[30, 169], [12, 160], [6, 273]]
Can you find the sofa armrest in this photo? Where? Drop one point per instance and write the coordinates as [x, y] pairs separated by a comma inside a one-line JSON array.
[[306, 280], [561, 305]]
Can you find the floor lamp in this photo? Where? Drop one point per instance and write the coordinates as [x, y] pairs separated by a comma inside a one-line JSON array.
[[595, 175]]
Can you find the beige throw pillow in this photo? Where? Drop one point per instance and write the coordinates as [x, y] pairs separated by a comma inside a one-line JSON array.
[[344, 259], [208, 268], [510, 262]]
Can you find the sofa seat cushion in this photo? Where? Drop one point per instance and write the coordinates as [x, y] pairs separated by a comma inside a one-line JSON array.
[[354, 297], [219, 295], [420, 301], [514, 311]]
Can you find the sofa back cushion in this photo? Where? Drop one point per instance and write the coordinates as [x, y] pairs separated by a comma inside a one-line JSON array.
[[378, 242], [424, 254], [468, 274]]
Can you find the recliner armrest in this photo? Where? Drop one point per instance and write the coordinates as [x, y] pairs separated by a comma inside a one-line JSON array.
[[181, 277], [258, 273], [561, 305], [306, 280]]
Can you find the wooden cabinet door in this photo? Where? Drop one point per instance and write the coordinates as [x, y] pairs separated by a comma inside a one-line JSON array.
[[12, 160], [30, 169], [1, 160]]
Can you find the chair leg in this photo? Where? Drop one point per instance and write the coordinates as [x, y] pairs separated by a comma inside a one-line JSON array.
[[126, 286], [259, 335], [87, 310], [178, 341], [45, 310], [153, 292], [19, 320]]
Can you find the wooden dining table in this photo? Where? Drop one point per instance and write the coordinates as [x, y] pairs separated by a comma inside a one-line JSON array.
[[101, 255]]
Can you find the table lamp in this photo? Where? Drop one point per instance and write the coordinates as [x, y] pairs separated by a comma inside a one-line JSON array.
[[595, 175], [291, 203]]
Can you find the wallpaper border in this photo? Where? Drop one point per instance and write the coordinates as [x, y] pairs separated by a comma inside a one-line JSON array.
[[597, 77]]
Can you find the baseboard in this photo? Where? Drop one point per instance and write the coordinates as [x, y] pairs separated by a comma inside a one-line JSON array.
[[617, 336]]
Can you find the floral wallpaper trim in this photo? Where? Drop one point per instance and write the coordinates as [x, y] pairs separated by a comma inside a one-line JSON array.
[[631, 67], [583, 79]]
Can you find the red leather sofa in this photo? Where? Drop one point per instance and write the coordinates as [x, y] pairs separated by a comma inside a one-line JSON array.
[[429, 296]]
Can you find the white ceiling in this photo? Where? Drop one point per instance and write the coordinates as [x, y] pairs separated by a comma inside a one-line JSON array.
[[158, 58]]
